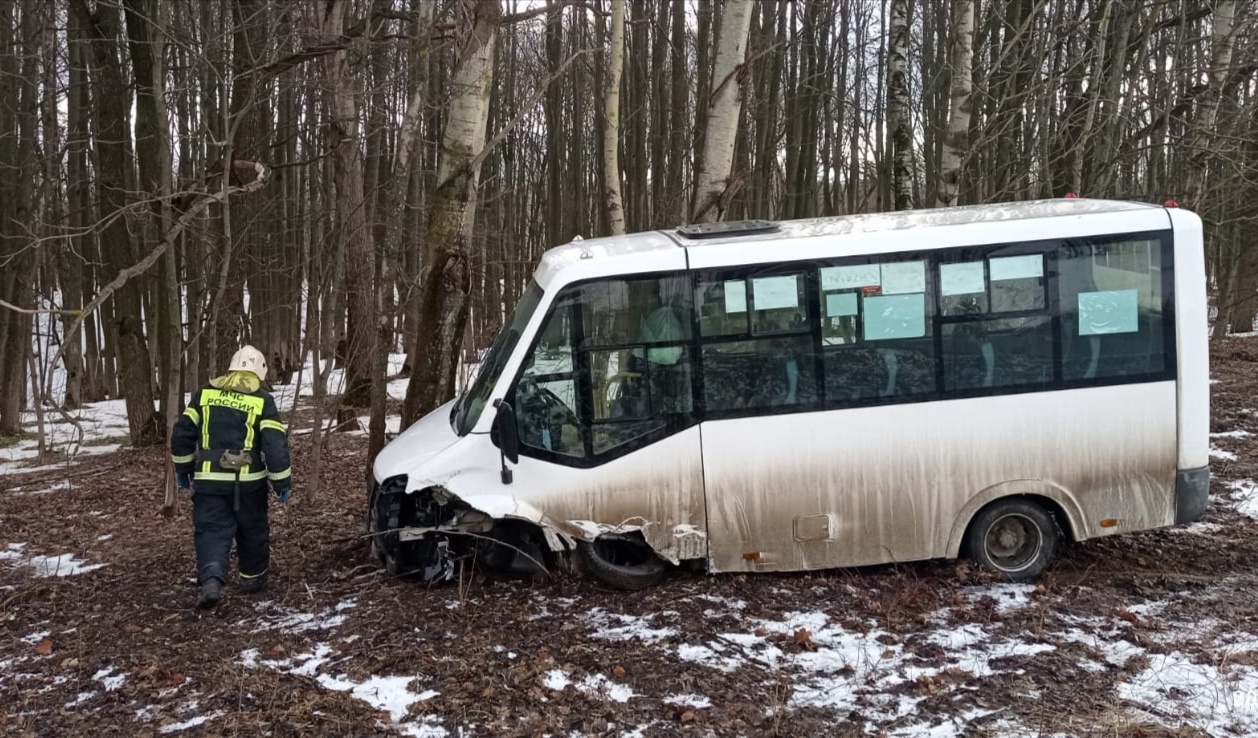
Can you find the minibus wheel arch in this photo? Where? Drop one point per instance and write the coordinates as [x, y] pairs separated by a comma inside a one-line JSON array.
[[1059, 503]]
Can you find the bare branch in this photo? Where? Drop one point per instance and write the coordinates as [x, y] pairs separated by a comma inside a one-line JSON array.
[[36, 311], [503, 132], [144, 264], [524, 15]]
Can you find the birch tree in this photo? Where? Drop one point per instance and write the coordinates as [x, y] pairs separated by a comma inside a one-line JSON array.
[[960, 95], [713, 184], [898, 123], [446, 279], [611, 110]]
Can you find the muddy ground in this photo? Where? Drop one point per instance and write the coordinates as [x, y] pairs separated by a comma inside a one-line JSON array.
[[1151, 634]]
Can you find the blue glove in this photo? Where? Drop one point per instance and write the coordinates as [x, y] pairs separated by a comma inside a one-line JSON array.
[[284, 494], [183, 480]]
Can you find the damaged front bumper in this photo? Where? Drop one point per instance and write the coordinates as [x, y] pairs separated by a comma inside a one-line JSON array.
[[428, 532]]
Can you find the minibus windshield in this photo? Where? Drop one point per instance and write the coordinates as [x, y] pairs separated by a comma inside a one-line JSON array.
[[468, 409]]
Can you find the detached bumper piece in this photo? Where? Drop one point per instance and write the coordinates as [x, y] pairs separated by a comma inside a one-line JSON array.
[[1192, 494]]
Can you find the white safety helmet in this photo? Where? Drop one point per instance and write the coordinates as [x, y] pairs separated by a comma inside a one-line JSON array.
[[249, 359]]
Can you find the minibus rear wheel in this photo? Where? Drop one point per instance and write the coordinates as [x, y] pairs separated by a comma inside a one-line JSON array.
[[1015, 538]]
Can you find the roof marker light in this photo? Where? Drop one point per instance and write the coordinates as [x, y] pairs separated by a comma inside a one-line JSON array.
[[1170, 204], [1071, 196]]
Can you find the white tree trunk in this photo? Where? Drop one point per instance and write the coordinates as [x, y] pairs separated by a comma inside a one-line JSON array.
[[724, 108], [611, 133], [961, 92], [1222, 45], [446, 280], [408, 136], [898, 105]]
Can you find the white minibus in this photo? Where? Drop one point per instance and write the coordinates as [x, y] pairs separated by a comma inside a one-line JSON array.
[[985, 381]]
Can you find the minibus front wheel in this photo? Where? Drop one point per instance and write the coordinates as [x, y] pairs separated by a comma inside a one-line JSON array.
[[621, 561], [1015, 538]]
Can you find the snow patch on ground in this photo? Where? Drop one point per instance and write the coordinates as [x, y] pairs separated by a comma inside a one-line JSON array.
[[834, 667], [594, 686], [1219, 453], [63, 565], [101, 422], [1219, 699], [616, 627], [192, 722], [294, 621], [391, 694], [696, 701], [1244, 497], [1009, 597], [109, 680]]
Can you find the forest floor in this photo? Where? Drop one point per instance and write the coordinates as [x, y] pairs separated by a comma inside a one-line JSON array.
[[1153, 633]]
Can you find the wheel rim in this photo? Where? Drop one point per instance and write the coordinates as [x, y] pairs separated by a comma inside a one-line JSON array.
[[1013, 542]]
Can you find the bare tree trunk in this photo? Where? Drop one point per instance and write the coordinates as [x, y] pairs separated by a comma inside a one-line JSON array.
[[898, 105], [399, 187], [147, 34], [360, 329], [713, 184], [611, 109], [1094, 96], [961, 94], [105, 32], [446, 281]]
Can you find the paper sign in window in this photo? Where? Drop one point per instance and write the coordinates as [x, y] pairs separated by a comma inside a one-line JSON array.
[[735, 297], [903, 277], [843, 303], [1030, 266], [775, 293], [895, 316], [965, 278], [1109, 311], [850, 277]]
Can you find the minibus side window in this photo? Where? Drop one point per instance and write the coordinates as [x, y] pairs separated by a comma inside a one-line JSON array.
[[758, 350], [636, 343], [1111, 299], [996, 328], [611, 371], [876, 330]]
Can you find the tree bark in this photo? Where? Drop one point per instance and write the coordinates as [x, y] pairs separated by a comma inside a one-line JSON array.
[[961, 103], [613, 204], [128, 333], [713, 178], [446, 281], [355, 231], [898, 105]]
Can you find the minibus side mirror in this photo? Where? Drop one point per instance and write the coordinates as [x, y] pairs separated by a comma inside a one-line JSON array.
[[506, 437]]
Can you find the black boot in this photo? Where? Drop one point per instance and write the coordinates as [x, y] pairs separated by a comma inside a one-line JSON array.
[[211, 593], [253, 585]]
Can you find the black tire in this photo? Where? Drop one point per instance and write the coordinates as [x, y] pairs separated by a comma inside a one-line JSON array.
[[516, 551], [1016, 539], [379, 550], [622, 562]]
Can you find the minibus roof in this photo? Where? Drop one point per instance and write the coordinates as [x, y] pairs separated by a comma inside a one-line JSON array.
[[665, 249]]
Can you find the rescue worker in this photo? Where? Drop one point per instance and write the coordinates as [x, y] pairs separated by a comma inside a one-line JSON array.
[[229, 444]]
